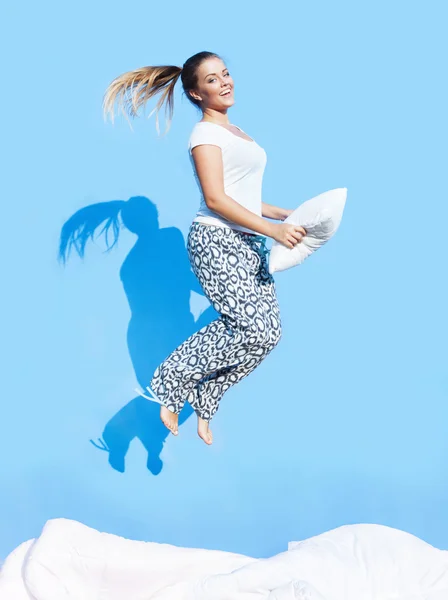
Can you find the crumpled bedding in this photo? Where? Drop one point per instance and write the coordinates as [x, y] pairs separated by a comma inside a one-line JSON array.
[[70, 561]]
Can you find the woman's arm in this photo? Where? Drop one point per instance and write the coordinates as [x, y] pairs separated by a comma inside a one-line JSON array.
[[275, 212], [208, 162]]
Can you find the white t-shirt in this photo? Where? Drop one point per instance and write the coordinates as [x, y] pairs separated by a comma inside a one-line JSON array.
[[243, 164]]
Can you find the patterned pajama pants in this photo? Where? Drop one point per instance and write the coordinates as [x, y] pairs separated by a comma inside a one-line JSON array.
[[233, 271]]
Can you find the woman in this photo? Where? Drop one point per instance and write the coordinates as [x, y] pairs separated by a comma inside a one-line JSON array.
[[226, 251]]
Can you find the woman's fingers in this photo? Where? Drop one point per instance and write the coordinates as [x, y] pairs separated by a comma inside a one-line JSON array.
[[290, 235], [296, 236], [292, 240]]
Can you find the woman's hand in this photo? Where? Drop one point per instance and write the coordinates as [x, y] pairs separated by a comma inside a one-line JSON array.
[[287, 234], [275, 212], [283, 213]]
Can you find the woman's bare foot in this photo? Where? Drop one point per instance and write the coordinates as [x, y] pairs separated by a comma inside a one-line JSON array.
[[204, 432], [169, 419]]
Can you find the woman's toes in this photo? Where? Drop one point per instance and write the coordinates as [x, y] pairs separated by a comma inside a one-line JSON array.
[[169, 419], [204, 432], [206, 436]]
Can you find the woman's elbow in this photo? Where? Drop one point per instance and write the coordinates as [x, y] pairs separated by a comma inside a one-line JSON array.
[[212, 201]]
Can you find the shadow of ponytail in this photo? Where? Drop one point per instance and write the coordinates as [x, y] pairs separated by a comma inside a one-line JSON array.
[[81, 227]]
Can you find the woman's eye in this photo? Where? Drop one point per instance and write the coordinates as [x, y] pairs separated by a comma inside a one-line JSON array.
[[214, 78]]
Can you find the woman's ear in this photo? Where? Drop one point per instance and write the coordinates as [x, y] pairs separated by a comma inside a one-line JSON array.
[[195, 96]]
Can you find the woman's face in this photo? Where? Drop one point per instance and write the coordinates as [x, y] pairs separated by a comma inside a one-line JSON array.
[[214, 81]]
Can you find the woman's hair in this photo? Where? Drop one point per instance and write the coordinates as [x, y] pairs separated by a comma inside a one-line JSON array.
[[133, 89]]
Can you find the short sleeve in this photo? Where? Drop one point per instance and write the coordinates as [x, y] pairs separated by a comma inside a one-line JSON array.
[[208, 133]]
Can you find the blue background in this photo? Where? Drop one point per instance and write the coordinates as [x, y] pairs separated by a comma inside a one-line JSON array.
[[346, 420]]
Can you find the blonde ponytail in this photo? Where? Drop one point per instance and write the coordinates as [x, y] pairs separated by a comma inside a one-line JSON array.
[[133, 89]]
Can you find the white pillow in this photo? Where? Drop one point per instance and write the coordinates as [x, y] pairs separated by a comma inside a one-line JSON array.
[[11, 582], [321, 217], [296, 590]]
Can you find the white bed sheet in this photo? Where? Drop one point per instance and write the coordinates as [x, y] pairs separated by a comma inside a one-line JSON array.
[[70, 561]]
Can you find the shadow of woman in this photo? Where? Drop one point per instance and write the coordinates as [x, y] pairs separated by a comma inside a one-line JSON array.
[[157, 280]]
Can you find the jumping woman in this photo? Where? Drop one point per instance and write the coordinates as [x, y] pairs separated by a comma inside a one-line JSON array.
[[225, 243]]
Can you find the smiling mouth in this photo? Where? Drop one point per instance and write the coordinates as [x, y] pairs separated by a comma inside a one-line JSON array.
[[226, 93]]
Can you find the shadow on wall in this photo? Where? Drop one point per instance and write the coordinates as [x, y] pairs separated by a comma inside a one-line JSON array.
[[157, 279]]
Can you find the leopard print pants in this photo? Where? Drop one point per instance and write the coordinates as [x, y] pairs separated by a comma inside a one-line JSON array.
[[232, 269]]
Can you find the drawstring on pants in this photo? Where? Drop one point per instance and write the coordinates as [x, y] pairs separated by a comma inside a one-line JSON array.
[[260, 245]]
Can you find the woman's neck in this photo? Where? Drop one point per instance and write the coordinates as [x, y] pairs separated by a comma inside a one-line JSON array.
[[216, 117]]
